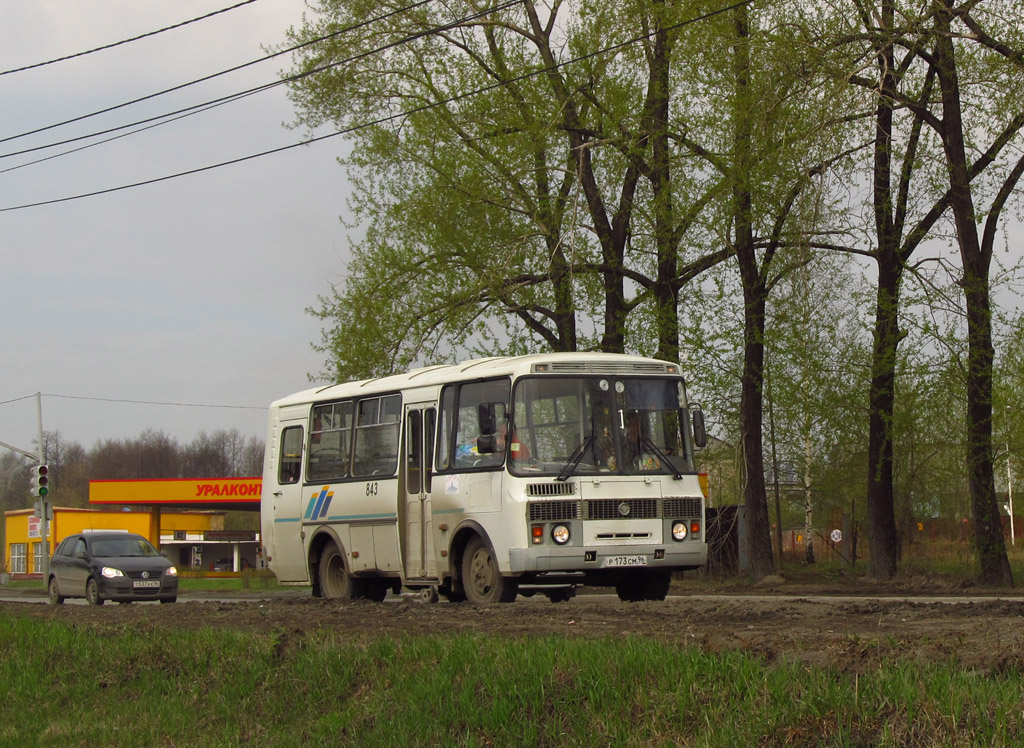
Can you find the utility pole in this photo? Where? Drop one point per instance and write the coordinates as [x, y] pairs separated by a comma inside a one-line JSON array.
[[44, 523], [40, 455]]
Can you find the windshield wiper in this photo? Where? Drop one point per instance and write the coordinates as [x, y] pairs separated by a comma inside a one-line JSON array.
[[575, 457], [648, 442]]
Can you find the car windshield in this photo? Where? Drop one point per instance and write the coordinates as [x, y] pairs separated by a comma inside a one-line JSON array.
[[113, 547], [588, 425]]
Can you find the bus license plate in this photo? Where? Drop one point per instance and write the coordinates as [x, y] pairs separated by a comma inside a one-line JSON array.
[[617, 561], [147, 584]]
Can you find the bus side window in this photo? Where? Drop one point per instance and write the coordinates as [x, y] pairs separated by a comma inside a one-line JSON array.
[[444, 442], [429, 423], [290, 462], [330, 438], [375, 451], [481, 406]]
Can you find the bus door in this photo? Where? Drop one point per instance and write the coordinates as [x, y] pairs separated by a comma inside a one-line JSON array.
[[417, 526], [288, 557]]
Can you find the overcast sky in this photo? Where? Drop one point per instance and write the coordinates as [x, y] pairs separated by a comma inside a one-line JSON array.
[[189, 291]]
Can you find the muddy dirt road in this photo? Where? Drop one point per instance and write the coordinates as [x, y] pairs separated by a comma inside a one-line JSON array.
[[852, 630]]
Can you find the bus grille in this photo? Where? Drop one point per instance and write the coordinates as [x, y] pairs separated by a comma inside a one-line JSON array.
[[551, 489], [622, 509], [676, 508], [554, 511]]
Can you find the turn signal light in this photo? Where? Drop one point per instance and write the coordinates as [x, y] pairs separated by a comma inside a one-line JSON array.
[[537, 531]]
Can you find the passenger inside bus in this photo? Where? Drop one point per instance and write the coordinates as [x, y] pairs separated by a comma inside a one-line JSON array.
[[517, 449]]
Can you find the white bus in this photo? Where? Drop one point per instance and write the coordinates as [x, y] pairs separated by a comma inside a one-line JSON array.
[[530, 474]]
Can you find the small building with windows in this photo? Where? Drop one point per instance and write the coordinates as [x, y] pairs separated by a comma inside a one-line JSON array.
[[25, 546]]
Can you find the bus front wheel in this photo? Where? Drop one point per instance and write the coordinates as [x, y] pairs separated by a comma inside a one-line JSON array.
[[481, 578]]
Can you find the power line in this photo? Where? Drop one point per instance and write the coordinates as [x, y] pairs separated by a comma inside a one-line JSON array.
[[388, 118], [16, 400], [199, 108], [197, 81], [123, 401], [116, 137], [124, 41], [159, 119], [205, 106], [174, 116]]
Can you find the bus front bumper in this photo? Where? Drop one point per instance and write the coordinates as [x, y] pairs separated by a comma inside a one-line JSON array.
[[686, 555]]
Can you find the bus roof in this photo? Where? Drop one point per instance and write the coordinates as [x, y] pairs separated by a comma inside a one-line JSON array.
[[482, 368]]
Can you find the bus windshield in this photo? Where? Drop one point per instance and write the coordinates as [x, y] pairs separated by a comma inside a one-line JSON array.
[[596, 425]]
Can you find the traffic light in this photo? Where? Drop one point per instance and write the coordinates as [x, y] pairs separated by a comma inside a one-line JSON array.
[[40, 480]]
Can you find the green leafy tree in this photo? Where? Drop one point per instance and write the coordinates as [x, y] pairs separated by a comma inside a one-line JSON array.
[[545, 132]]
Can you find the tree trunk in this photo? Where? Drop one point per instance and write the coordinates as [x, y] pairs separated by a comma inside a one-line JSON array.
[[759, 542], [808, 501], [988, 536], [666, 294], [882, 537]]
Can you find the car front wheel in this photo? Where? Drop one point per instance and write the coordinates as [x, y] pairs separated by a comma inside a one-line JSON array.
[[92, 593]]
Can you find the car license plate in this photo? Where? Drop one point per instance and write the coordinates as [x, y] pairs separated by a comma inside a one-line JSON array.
[[617, 561], [146, 584]]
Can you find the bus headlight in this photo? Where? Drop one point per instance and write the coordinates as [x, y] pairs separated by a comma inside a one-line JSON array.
[[560, 534], [679, 530]]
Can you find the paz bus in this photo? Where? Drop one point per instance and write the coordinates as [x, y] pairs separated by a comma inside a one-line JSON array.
[[479, 481]]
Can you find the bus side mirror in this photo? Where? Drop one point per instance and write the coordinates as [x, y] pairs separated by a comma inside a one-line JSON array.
[[485, 419], [486, 444], [700, 434]]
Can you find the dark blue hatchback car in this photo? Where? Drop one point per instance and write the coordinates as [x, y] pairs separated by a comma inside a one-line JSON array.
[[119, 566]]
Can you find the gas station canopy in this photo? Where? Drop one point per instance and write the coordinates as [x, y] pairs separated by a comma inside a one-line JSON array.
[[184, 493]]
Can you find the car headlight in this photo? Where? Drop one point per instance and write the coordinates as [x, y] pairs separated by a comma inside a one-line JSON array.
[[679, 531], [109, 572], [560, 534], [171, 571]]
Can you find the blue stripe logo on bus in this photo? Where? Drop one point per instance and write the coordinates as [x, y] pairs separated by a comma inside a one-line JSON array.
[[319, 503]]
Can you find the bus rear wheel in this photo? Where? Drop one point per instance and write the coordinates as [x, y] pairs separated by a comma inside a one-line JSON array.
[[335, 580], [643, 585], [481, 578]]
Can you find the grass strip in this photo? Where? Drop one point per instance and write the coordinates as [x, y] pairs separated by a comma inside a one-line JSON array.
[[68, 685]]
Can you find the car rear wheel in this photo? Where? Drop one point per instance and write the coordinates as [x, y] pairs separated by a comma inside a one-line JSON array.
[[55, 597], [92, 593]]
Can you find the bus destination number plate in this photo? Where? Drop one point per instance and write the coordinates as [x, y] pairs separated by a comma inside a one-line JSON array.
[[146, 584], [618, 561]]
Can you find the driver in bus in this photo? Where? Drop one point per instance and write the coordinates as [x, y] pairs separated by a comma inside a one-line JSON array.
[[518, 450], [633, 448]]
